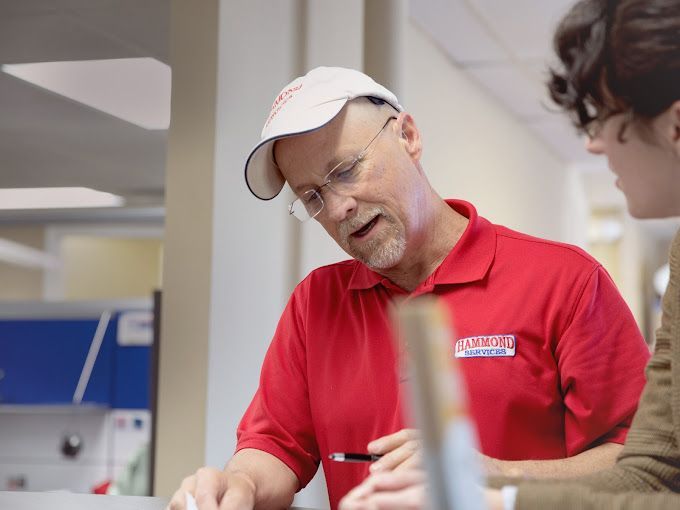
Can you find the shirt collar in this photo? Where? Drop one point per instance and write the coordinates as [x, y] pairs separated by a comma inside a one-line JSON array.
[[468, 261]]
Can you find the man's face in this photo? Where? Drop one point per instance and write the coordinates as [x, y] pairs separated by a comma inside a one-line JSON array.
[[372, 221]]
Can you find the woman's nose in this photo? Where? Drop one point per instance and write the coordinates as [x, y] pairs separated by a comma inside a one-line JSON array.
[[594, 144]]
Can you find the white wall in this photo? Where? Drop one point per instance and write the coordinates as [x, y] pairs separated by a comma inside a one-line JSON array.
[[476, 150], [257, 55]]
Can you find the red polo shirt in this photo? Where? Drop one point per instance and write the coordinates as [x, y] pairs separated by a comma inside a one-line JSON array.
[[330, 379]]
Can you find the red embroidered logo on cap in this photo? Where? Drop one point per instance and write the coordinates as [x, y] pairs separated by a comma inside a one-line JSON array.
[[281, 100], [489, 346]]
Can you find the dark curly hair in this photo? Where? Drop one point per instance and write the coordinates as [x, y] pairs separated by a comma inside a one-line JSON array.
[[617, 56]]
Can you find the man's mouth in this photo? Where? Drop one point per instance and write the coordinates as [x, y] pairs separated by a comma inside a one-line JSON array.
[[366, 228]]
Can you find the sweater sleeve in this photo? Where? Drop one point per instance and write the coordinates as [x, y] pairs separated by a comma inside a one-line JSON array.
[[576, 497]]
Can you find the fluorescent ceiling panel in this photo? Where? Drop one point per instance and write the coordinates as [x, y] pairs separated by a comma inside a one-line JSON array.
[[136, 90], [56, 198]]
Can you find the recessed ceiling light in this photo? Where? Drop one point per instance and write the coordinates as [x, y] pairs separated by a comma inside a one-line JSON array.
[[56, 198], [136, 90]]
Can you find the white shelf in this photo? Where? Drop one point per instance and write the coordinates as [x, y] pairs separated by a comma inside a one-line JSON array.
[[53, 409]]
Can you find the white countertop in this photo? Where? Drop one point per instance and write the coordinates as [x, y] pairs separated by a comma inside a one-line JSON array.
[[21, 500]]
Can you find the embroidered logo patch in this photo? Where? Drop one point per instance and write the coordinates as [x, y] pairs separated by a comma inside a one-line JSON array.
[[489, 346]]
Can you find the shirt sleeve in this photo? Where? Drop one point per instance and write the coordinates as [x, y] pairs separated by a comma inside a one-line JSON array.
[[601, 357], [278, 420]]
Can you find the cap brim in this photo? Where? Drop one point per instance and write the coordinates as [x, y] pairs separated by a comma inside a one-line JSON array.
[[263, 178]]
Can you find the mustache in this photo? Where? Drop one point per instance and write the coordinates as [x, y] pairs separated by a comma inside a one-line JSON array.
[[352, 224]]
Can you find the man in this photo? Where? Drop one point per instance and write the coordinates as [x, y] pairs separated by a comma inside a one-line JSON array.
[[552, 356]]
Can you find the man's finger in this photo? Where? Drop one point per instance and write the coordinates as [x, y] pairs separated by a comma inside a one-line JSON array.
[[415, 461], [388, 443], [239, 495], [395, 457], [395, 480], [178, 500], [410, 498], [210, 486], [361, 490], [352, 503]]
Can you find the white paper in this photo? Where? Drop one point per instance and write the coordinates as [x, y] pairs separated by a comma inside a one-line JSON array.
[[190, 502]]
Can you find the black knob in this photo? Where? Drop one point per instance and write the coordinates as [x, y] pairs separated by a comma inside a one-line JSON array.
[[71, 445]]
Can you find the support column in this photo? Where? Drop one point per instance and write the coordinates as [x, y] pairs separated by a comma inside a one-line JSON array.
[[384, 33], [187, 275]]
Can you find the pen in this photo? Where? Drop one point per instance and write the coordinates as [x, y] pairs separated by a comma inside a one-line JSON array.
[[354, 457]]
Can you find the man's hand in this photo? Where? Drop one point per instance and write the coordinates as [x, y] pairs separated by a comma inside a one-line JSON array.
[[252, 478], [400, 450], [401, 490], [214, 489]]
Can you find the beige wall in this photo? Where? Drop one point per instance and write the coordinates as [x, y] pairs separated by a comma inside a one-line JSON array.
[[108, 268], [16, 282]]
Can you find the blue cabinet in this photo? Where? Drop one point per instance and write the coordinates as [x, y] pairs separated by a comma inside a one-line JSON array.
[[41, 361]]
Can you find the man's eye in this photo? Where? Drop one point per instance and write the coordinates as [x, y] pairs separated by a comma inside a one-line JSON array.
[[310, 196], [347, 172]]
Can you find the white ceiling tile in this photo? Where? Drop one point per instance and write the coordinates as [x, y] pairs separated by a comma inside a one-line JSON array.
[[558, 133], [540, 71], [516, 87], [525, 27], [456, 30]]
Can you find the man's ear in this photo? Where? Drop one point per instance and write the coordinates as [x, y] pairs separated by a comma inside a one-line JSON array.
[[410, 135]]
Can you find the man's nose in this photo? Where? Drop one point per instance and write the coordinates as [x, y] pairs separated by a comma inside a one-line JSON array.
[[339, 207]]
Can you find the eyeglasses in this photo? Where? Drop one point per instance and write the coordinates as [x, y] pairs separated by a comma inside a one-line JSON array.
[[342, 179], [599, 115], [594, 128]]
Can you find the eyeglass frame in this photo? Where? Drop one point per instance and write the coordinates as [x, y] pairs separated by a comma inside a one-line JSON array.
[[593, 129], [328, 180]]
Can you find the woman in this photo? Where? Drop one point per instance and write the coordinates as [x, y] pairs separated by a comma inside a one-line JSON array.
[[620, 82]]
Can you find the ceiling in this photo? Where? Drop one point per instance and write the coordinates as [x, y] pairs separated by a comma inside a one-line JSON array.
[[506, 47], [49, 140]]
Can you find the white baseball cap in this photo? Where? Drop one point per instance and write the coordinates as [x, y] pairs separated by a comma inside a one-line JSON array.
[[305, 104]]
